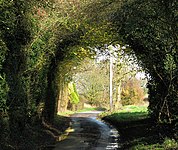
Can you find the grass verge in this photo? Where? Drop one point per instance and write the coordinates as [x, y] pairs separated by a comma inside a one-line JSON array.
[[138, 131]]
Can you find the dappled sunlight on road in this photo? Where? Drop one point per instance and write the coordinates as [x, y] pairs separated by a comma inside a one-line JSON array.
[[88, 133]]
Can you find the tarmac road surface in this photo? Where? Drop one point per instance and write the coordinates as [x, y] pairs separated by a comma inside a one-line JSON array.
[[89, 133]]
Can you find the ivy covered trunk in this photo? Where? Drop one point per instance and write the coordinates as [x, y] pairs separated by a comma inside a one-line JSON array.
[[51, 96], [14, 68], [16, 35]]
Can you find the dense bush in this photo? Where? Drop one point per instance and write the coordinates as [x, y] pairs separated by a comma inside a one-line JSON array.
[[132, 93], [150, 29]]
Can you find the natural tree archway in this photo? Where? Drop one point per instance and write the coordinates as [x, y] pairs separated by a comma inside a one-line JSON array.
[[37, 36]]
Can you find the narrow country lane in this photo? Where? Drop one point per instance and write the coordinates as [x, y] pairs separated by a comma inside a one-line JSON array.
[[89, 134]]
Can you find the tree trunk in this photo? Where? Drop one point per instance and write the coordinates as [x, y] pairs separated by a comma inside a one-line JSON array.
[[63, 99], [50, 101], [117, 102]]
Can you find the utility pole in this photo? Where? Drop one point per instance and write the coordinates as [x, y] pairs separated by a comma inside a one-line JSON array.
[[111, 80], [112, 58]]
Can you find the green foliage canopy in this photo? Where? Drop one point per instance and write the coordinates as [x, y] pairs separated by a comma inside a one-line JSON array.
[[149, 27], [36, 36]]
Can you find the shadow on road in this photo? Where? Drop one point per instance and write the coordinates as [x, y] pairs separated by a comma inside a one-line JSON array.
[[88, 133]]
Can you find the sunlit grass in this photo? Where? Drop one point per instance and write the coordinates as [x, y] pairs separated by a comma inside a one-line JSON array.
[[87, 109], [69, 112], [128, 116], [128, 113], [168, 144], [66, 113], [133, 108], [92, 109]]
